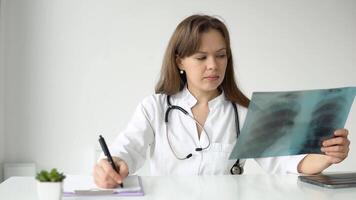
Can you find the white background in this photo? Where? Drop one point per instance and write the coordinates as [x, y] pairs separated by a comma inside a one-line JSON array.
[[72, 69]]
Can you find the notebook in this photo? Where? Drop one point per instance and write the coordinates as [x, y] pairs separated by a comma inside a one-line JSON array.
[[83, 185], [339, 180]]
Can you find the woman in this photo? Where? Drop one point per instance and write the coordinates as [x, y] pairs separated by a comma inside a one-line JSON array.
[[197, 137]]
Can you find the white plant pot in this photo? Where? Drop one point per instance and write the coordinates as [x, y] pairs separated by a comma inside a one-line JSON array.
[[49, 190]]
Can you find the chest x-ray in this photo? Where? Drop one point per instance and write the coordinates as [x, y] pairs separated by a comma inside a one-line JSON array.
[[291, 123]]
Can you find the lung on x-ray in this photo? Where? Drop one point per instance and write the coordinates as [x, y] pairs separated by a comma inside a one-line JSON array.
[[293, 122]]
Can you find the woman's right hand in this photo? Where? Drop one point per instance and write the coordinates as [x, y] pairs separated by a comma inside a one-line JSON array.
[[106, 177]]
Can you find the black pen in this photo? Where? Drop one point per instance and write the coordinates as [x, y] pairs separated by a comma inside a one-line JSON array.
[[106, 151]]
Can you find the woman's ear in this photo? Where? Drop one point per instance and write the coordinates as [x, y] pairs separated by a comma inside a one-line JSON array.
[[179, 62]]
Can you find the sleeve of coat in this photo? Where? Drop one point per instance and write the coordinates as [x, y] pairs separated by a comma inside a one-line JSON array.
[[281, 164], [131, 144]]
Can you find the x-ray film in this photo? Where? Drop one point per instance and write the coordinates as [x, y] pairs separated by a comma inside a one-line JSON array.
[[291, 123]]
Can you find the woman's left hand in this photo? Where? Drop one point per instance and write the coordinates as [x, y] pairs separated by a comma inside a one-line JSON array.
[[337, 148]]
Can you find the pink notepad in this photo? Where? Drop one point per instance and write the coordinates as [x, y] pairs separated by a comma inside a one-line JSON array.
[[81, 185]]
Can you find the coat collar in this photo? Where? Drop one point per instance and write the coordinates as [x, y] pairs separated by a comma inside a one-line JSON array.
[[186, 97]]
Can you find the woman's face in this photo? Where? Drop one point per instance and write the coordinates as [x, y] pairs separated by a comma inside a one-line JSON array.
[[205, 69]]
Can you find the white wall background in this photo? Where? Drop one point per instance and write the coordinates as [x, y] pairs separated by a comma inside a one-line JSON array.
[[74, 69], [2, 87]]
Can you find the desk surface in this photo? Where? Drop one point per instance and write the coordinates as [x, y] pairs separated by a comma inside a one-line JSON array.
[[203, 187]]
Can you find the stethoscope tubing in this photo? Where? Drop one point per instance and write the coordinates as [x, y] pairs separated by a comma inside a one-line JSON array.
[[235, 169]]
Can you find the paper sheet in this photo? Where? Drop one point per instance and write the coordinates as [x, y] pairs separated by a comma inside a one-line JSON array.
[[81, 183]]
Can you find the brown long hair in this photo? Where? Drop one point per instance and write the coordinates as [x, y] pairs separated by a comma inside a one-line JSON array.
[[184, 42]]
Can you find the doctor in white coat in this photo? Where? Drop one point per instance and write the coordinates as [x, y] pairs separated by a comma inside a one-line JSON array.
[[190, 124]]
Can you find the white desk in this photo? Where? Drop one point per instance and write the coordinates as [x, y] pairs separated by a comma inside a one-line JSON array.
[[249, 187]]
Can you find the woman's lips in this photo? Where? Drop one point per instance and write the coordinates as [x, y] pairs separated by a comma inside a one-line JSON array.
[[212, 78]]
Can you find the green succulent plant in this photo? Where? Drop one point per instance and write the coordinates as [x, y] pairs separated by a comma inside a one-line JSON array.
[[52, 176]]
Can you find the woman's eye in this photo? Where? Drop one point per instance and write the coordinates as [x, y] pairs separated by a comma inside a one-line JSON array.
[[201, 58], [222, 56]]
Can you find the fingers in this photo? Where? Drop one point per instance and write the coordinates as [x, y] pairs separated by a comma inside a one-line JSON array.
[[341, 132], [101, 179], [340, 149], [335, 154], [339, 139], [110, 171], [106, 177], [124, 170], [337, 148]]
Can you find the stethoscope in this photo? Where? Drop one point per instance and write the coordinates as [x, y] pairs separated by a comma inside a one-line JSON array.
[[237, 168]]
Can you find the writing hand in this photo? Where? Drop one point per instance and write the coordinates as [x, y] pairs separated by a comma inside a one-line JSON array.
[[106, 177]]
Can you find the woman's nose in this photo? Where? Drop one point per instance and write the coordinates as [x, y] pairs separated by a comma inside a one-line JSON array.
[[211, 63]]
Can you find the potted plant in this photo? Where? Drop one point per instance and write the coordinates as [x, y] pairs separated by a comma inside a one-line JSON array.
[[50, 184]]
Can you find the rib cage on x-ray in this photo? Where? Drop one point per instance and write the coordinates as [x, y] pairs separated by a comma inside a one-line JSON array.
[[292, 122], [273, 123], [323, 118]]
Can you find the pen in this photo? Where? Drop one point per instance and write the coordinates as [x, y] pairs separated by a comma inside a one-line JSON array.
[[106, 151]]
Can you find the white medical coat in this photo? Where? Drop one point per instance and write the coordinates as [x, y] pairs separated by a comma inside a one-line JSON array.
[[146, 130]]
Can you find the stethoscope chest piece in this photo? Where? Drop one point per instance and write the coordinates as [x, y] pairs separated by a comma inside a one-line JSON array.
[[236, 169]]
